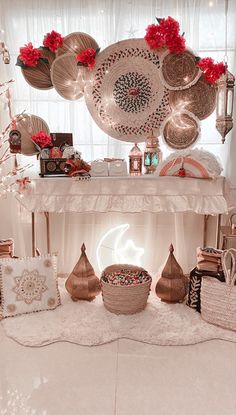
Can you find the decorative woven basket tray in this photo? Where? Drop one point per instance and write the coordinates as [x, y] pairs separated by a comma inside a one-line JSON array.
[[218, 299], [126, 97], [125, 299]]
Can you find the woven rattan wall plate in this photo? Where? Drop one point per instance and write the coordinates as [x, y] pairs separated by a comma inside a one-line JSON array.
[[200, 99], [179, 71], [40, 77], [66, 77], [77, 42], [180, 130], [126, 97], [29, 125]]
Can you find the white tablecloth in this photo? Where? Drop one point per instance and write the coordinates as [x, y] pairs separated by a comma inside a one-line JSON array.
[[126, 194]]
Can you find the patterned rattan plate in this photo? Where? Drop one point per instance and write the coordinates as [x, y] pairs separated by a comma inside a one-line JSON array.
[[180, 130], [77, 42], [66, 77], [29, 125], [200, 99], [179, 71], [125, 95], [40, 77]]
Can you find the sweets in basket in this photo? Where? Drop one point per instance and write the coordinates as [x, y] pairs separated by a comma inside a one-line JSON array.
[[218, 299], [125, 288]]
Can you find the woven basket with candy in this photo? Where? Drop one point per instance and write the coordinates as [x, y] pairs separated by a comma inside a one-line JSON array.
[[125, 288]]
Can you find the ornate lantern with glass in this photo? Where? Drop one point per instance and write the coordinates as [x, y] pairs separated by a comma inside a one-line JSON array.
[[225, 93], [152, 154]]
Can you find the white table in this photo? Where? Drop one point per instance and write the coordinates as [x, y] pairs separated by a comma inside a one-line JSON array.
[[124, 194]]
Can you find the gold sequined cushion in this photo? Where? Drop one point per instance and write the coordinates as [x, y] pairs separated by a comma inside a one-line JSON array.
[[28, 285]]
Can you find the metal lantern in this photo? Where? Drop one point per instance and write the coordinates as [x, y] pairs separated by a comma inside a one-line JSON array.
[[152, 154], [135, 161], [82, 283], [224, 106], [172, 286]]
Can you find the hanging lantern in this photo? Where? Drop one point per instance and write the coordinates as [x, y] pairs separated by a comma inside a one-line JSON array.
[[152, 154], [135, 161], [15, 141], [224, 105]]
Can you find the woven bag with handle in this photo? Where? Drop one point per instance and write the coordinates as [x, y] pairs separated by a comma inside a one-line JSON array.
[[218, 299]]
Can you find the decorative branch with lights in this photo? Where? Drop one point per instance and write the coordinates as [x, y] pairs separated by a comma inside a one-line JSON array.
[[9, 169]]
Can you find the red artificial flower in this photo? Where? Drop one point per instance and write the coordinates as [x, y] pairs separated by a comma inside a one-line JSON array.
[[42, 139], [87, 58], [212, 71], [176, 44], [154, 37], [165, 33], [30, 55], [53, 41]]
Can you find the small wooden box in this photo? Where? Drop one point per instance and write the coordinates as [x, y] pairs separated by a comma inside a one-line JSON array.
[[55, 166], [52, 167]]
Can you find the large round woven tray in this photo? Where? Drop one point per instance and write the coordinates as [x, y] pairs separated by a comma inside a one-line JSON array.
[[29, 125], [125, 299], [179, 71], [180, 130], [77, 42], [125, 95], [40, 77], [200, 99], [66, 77]]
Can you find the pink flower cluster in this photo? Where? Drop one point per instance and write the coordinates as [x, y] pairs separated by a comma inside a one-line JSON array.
[[165, 34], [212, 71], [87, 58], [42, 139], [53, 41], [30, 55]]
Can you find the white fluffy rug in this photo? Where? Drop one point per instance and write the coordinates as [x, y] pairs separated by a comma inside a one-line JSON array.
[[90, 324]]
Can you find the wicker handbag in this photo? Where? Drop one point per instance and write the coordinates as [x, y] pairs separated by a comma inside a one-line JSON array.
[[218, 299]]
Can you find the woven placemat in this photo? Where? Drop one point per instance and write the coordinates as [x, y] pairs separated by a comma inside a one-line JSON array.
[[200, 99], [180, 130], [179, 71], [126, 97], [66, 77], [40, 77], [77, 42], [29, 125]]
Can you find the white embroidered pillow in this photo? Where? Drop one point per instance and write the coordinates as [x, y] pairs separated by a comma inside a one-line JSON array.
[[29, 284]]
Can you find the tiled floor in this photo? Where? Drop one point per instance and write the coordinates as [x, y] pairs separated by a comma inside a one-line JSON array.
[[120, 378]]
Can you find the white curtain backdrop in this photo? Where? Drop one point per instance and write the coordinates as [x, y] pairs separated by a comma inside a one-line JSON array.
[[108, 22]]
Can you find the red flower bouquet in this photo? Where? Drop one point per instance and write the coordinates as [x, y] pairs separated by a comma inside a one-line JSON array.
[[29, 55], [42, 139], [212, 71], [87, 58], [53, 41], [165, 34]]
